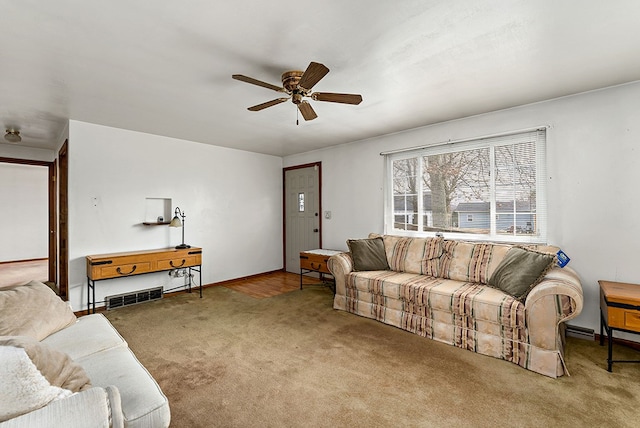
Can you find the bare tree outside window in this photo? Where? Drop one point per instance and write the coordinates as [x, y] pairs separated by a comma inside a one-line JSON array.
[[495, 185]]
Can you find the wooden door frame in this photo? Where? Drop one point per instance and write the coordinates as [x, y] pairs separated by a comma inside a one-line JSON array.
[[52, 193], [63, 232], [284, 206]]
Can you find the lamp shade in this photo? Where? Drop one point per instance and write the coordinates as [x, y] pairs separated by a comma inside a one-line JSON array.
[[175, 222]]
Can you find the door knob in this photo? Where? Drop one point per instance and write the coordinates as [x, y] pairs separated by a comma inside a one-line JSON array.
[[316, 230]]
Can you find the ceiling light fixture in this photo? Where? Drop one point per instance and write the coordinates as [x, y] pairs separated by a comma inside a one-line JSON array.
[[13, 136]]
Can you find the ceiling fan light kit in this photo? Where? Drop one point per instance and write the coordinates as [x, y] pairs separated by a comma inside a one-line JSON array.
[[13, 136], [298, 84]]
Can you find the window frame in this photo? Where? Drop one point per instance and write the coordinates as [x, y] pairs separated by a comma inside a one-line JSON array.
[[537, 135]]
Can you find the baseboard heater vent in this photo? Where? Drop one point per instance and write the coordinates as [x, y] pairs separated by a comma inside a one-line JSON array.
[[581, 332], [133, 298]]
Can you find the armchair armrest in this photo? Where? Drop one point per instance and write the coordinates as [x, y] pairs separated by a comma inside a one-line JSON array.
[[558, 298]]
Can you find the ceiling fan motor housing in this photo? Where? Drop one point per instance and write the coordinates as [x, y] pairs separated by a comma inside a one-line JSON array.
[[290, 80]]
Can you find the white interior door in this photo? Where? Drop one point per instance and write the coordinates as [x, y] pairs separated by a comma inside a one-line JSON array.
[[302, 213]]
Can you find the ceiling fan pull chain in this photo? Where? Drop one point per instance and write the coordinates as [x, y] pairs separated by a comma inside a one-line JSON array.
[[297, 121]]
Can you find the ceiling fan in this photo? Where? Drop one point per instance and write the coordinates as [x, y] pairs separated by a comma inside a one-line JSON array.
[[297, 85]]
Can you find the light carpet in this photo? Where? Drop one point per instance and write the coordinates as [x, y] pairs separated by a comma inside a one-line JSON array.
[[229, 360]]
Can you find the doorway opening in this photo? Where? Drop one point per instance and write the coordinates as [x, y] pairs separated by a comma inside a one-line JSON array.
[[28, 191]]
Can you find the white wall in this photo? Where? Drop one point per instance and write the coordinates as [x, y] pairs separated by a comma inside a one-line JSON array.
[[24, 195], [232, 201], [593, 155]]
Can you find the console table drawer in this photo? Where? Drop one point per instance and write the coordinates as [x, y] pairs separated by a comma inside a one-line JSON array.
[[106, 266], [114, 271], [178, 262], [627, 319]]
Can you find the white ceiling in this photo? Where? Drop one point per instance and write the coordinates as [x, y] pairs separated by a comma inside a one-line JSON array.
[[164, 67]]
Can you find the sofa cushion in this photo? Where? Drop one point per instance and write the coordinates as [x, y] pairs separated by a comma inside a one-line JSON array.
[[417, 292], [368, 254], [471, 261], [520, 271], [96, 333], [413, 255], [32, 310], [143, 403]]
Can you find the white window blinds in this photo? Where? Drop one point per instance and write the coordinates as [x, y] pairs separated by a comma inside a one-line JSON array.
[[486, 188]]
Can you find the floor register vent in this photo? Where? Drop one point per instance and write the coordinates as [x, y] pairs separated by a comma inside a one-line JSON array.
[[581, 332], [126, 299]]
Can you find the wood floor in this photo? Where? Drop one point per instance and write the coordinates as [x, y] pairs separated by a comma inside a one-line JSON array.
[[269, 284]]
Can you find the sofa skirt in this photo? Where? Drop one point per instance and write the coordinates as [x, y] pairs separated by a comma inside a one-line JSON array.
[[482, 337]]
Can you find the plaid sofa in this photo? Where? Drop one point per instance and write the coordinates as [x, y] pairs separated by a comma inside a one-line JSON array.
[[438, 289]]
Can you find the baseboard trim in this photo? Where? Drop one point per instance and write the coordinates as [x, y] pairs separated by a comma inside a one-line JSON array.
[[629, 343], [23, 261]]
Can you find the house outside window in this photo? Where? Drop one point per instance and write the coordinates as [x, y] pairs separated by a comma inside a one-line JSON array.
[[490, 188]]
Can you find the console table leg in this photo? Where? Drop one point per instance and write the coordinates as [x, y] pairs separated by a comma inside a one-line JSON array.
[[610, 350], [601, 329]]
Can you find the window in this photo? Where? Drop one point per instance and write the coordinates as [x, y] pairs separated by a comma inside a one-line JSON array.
[[487, 188]]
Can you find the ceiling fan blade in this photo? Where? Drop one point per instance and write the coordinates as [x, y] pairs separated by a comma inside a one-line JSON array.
[[312, 75], [267, 104], [337, 98], [307, 111], [253, 81]]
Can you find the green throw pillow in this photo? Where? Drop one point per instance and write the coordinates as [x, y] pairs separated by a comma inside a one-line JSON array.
[[368, 254], [520, 271]]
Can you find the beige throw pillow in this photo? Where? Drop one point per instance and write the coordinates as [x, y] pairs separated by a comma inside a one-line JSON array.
[[32, 310], [57, 367], [22, 387], [32, 375]]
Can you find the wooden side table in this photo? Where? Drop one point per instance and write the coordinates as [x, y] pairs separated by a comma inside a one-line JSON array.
[[315, 261], [619, 310]]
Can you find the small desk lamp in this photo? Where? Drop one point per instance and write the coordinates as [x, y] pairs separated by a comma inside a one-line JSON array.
[[175, 222]]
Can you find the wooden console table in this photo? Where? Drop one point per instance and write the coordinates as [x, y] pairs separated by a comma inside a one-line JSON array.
[[119, 265]]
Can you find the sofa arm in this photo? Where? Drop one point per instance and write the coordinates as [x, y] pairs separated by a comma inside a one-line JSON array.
[[556, 299], [93, 407], [340, 265]]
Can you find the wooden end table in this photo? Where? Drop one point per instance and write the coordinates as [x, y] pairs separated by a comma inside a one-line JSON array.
[[619, 310], [316, 261]]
